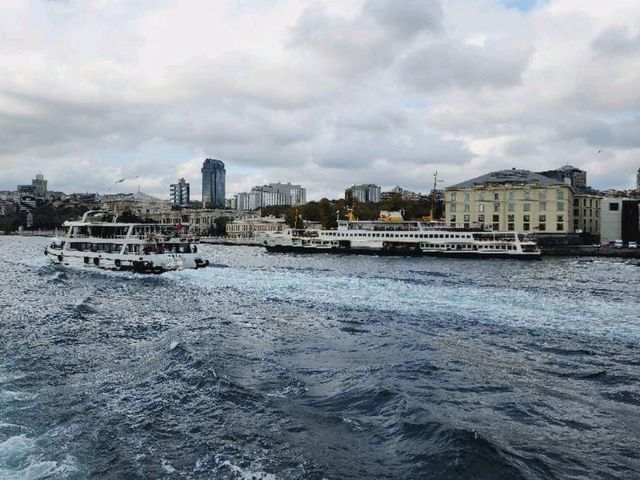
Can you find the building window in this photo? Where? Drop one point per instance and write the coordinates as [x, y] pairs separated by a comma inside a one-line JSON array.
[[452, 208], [481, 218], [453, 219], [527, 207], [466, 218], [526, 195], [542, 206], [481, 207], [467, 197], [496, 196], [466, 207], [560, 194], [560, 206], [560, 227], [542, 195], [481, 196], [560, 218], [496, 207], [526, 218], [511, 218], [525, 227], [542, 218], [453, 196], [613, 207], [511, 227], [496, 226], [496, 218], [542, 227], [512, 196]]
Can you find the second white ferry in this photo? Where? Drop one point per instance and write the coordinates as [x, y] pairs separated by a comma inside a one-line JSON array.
[[403, 238], [99, 241]]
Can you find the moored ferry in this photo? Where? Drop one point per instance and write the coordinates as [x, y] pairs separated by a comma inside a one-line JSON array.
[[403, 238], [99, 241]]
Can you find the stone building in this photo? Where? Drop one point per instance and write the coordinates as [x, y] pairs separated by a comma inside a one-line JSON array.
[[511, 200]]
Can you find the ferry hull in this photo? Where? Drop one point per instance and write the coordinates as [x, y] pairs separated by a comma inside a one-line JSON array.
[[403, 252], [118, 262]]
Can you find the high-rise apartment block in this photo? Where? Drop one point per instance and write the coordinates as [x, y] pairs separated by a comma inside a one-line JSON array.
[[363, 193], [213, 183], [180, 193], [271, 194]]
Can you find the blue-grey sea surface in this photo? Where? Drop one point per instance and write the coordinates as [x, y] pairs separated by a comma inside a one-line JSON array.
[[283, 366]]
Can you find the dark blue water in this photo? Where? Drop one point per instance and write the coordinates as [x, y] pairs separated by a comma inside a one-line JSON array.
[[279, 366]]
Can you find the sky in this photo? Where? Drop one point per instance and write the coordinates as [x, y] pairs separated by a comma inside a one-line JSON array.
[[326, 93]]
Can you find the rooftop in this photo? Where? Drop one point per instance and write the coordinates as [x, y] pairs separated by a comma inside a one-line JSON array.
[[508, 177]]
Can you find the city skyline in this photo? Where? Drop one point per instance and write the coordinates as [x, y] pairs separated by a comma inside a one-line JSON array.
[[323, 95]]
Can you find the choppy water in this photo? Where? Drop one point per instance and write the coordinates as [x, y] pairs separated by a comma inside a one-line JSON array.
[[279, 366]]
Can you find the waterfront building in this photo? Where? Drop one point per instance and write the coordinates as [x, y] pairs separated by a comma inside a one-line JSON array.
[[139, 203], [367, 193], [200, 221], [619, 219], [246, 228], [213, 183], [586, 212], [180, 193], [511, 200], [7, 208]]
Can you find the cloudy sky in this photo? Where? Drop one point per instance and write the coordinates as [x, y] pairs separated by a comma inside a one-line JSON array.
[[325, 93]]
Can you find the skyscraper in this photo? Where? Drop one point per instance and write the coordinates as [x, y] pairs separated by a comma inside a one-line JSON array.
[[179, 193], [213, 180]]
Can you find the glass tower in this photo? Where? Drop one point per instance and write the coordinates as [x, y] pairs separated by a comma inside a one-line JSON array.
[[213, 177]]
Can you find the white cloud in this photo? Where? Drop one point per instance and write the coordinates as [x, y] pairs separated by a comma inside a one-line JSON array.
[[325, 94]]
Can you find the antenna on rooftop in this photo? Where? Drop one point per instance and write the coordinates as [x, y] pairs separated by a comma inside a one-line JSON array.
[[433, 193]]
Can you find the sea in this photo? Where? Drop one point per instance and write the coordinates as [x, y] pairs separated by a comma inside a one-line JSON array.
[[284, 366]]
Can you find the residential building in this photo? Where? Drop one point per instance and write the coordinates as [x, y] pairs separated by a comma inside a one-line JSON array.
[[180, 193], [271, 194], [213, 183], [511, 200], [367, 193], [405, 194], [7, 208], [199, 221], [38, 187], [619, 219], [576, 177]]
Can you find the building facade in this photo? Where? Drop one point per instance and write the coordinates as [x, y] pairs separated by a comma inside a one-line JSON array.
[[213, 183], [620, 219], [363, 193], [568, 173], [139, 204], [271, 194], [180, 193], [247, 228], [586, 212], [511, 200]]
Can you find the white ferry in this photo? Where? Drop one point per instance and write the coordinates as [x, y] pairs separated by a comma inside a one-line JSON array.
[[403, 238], [99, 241]]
